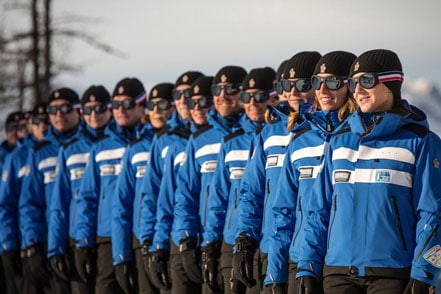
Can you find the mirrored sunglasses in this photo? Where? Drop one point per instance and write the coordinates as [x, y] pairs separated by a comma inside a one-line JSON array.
[[301, 85]]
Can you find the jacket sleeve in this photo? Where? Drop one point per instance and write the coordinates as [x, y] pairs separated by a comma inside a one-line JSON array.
[[218, 201], [283, 209], [252, 193], [88, 200], [59, 209], [426, 263], [122, 210]]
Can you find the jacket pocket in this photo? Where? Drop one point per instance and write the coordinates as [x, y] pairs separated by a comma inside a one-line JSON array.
[[398, 222], [332, 221]]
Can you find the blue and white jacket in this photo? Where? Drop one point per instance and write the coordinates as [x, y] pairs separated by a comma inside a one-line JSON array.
[[303, 162], [72, 161], [224, 189], [384, 185], [126, 220], [94, 211], [38, 185], [195, 175]]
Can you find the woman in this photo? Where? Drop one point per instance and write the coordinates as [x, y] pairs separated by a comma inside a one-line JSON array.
[[303, 161], [374, 212]]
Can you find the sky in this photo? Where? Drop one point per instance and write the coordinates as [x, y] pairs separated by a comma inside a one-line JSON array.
[[161, 39]]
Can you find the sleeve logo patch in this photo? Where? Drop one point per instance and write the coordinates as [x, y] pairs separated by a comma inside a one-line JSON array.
[[272, 160], [306, 172], [342, 176], [433, 256], [208, 166], [236, 172], [140, 171]]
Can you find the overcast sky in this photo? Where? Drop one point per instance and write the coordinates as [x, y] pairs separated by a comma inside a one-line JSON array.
[[162, 39]]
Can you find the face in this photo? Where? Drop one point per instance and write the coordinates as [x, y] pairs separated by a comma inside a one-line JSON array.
[[181, 104], [295, 98], [330, 100], [127, 117], [96, 120], [22, 128], [376, 99], [198, 114], [158, 118], [64, 122], [227, 105], [39, 127], [255, 111], [11, 134]]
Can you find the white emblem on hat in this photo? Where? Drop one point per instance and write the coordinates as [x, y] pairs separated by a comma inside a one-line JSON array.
[[196, 89], [356, 66], [92, 98], [323, 68], [185, 78], [57, 94], [40, 109], [121, 90], [155, 92], [292, 73], [223, 78], [252, 83]]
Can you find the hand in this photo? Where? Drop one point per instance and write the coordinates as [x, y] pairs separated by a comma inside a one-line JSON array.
[[418, 287], [209, 259], [85, 263], [37, 262], [158, 269], [12, 261], [60, 266], [125, 278], [243, 260], [309, 285], [190, 258]]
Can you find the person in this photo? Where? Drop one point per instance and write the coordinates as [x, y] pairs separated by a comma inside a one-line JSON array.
[[373, 212], [219, 231], [303, 161], [38, 185], [260, 179], [164, 255], [71, 162], [11, 135], [12, 178], [126, 206], [277, 85], [194, 176], [94, 211]]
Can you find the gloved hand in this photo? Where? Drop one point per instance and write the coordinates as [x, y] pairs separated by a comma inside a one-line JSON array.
[[158, 269], [309, 285], [209, 258], [418, 287], [236, 286], [125, 277], [277, 288], [190, 255], [243, 260], [12, 261], [85, 263], [37, 262], [60, 266]]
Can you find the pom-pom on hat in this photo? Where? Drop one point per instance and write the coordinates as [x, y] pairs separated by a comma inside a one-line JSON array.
[[201, 86], [337, 63], [96, 93], [230, 74], [301, 65], [131, 87]]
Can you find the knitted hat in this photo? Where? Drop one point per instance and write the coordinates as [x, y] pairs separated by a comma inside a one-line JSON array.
[[301, 65], [337, 63], [96, 93], [65, 94], [201, 86], [280, 69], [230, 74], [163, 90], [381, 61], [187, 78], [131, 87], [39, 108], [14, 117], [259, 79]]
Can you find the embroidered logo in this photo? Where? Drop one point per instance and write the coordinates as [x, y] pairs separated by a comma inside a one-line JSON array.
[[155, 92], [342, 176], [433, 256], [185, 78], [382, 176], [292, 73], [323, 68], [196, 89], [306, 172], [120, 90], [223, 78], [356, 66], [272, 161], [252, 83]]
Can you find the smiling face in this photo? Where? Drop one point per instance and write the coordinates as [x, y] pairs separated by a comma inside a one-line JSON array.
[[181, 103], [225, 104], [64, 122], [96, 120], [127, 117], [377, 99], [295, 97], [330, 100]]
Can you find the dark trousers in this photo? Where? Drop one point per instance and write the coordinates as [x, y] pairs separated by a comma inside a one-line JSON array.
[[105, 281], [292, 282], [76, 284], [181, 284], [11, 275], [342, 284]]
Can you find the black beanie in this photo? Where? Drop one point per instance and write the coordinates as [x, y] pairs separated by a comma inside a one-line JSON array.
[[259, 79], [230, 74], [201, 86], [280, 69], [301, 65], [65, 94], [131, 87], [337, 63], [187, 78], [381, 61], [163, 90], [39, 108], [14, 117], [96, 93]]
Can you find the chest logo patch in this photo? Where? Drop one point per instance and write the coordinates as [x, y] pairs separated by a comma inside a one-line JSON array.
[[382, 176]]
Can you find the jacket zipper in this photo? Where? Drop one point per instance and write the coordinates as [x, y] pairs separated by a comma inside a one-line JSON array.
[[265, 204], [333, 219], [433, 234], [398, 222], [233, 209], [74, 214], [103, 197], [206, 205], [299, 208], [139, 209]]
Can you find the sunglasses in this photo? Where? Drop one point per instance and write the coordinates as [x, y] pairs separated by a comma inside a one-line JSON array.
[[161, 104], [21, 127], [259, 97], [100, 108], [203, 102], [370, 80], [126, 104], [277, 86], [230, 89], [64, 109], [332, 82], [11, 127], [176, 94], [36, 121], [301, 85]]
